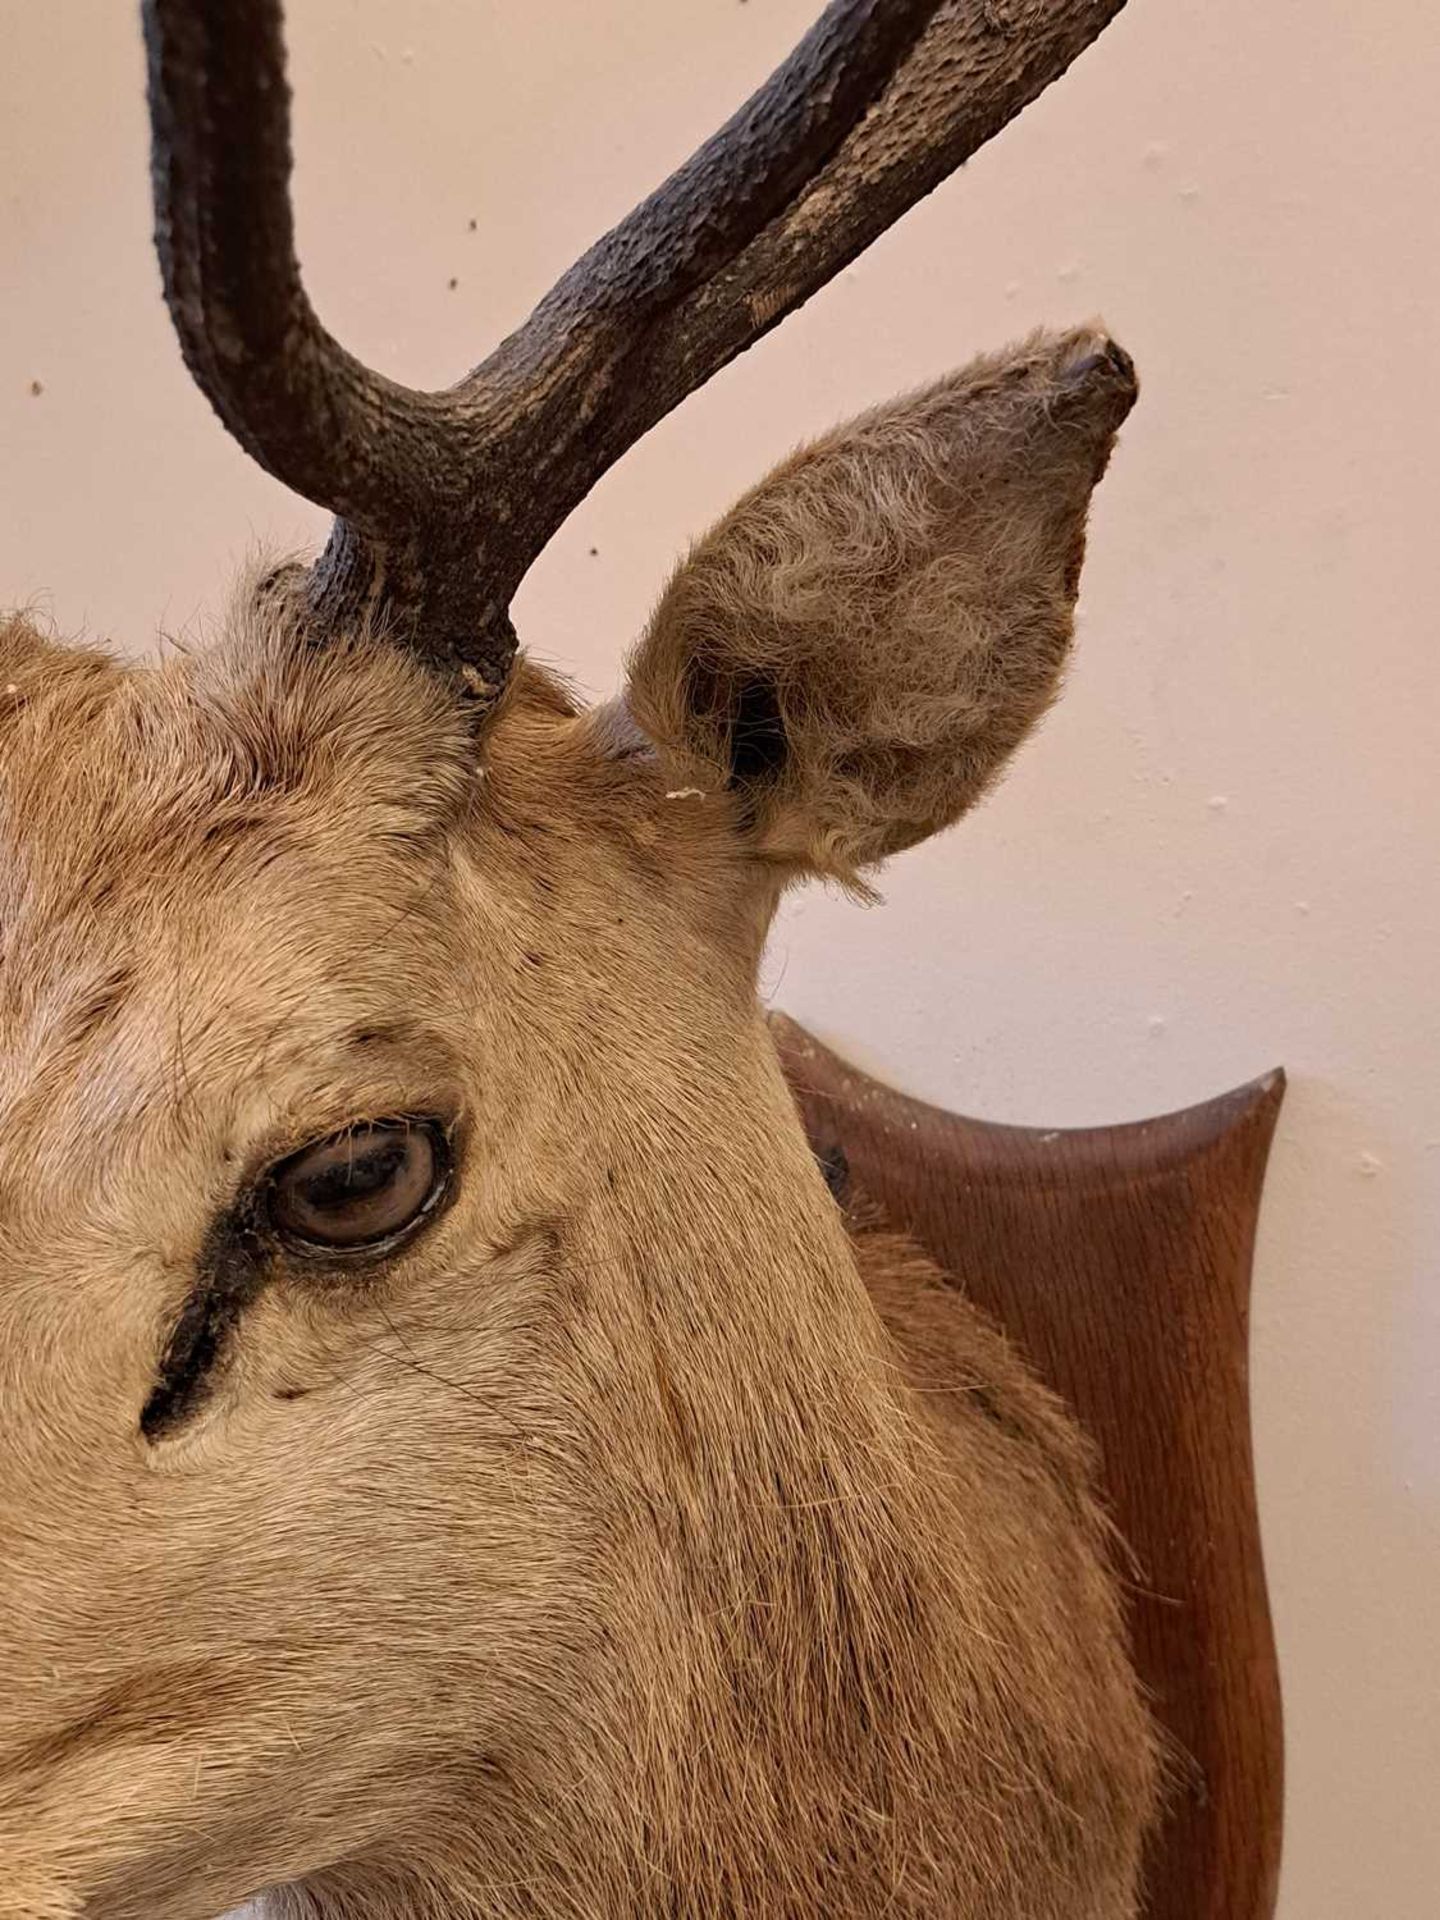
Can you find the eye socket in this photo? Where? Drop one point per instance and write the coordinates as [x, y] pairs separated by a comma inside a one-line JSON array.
[[366, 1187]]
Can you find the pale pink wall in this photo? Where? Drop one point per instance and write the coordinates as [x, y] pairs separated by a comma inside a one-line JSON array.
[[1221, 853]]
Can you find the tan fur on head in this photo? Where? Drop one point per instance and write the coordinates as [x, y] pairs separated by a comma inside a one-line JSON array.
[[636, 1539]]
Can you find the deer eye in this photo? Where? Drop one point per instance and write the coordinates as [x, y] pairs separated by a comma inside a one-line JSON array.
[[364, 1188]]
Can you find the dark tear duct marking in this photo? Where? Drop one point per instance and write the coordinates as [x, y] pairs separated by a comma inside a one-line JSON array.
[[233, 1271]]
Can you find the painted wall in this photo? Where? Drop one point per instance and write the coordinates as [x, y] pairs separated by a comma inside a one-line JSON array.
[[1220, 853]]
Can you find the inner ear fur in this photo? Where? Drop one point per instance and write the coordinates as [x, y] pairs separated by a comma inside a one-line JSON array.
[[860, 644]]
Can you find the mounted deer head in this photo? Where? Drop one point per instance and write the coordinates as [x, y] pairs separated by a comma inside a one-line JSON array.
[[456, 1461]]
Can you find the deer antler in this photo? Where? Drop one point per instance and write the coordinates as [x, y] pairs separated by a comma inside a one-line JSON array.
[[443, 500]]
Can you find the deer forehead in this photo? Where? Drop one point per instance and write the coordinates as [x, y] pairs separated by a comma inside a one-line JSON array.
[[197, 861], [255, 724], [216, 873]]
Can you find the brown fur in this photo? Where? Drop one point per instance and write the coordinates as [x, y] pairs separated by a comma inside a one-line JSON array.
[[905, 588], [637, 1541]]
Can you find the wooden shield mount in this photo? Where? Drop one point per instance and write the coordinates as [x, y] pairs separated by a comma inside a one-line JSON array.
[[1118, 1259]]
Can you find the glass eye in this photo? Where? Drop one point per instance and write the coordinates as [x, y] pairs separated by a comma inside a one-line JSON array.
[[363, 1188]]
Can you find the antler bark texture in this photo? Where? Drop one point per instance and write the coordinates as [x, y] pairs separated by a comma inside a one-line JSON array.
[[443, 500]]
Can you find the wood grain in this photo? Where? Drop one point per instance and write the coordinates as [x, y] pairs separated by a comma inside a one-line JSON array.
[[1118, 1258]]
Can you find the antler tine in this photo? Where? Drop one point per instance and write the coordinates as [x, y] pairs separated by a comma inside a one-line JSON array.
[[443, 500], [976, 66], [374, 452], [289, 392]]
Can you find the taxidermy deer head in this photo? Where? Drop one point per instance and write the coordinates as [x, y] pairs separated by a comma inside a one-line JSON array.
[[453, 1458]]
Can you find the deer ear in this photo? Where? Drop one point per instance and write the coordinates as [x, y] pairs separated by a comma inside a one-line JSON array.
[[859, 646]]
